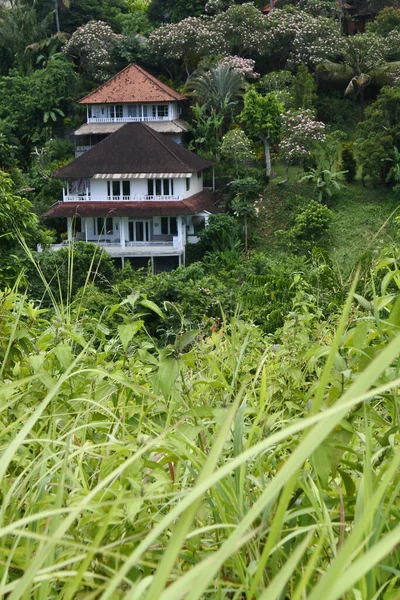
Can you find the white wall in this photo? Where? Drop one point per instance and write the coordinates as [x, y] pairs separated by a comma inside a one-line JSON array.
[[103, 110], [139, 187]]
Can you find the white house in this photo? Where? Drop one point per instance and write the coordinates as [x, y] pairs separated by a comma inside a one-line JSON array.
[[138, 194], [131, 96]]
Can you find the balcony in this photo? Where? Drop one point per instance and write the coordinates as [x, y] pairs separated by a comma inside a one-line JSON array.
[[126, 119], [116, 249], [132, 198]]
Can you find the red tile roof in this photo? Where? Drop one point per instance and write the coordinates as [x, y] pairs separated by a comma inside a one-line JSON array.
[[133, 84], [203, 201], [267, 8]]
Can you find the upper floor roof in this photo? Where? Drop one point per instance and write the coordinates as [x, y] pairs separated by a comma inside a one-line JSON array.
[[133, 84], [133, 149]]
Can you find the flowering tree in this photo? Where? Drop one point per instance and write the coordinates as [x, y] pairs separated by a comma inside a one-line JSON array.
[[299, 134], [237, 148], [295, 37], [93, 45], [240, 30], [243, 28], [187, 41], [243, 66]]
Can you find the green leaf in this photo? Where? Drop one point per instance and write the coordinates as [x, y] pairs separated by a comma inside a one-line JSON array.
[[127, 331], [321, 460], [152, 306], [167, 374], [64, 355], [186, 338]]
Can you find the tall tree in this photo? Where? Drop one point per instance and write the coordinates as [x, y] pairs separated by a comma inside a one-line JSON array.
[[364, 61], [261, 117], [219, 89]]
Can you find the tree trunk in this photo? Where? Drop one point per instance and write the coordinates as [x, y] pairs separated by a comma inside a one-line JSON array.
[[362, 103], [340, 15], [245, 234], [57, 16], [267, 157]]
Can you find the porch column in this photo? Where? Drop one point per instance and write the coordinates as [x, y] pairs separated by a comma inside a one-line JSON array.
[[179, 236], [122, 231], [69, 229], [86, 228]]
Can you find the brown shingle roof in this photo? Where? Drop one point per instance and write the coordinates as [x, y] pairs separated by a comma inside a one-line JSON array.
[[134, 148], [133, 84], [203, 201]]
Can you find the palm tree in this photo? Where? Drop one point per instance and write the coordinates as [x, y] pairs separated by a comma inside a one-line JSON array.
[[219, 89], [364, 62]]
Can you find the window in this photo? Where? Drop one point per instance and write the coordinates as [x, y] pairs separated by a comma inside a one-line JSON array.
[[104, 226], [116, 111], [144, 109], [168, 187], [169, 226], [160, 187], [133, 110], [126, 188], [187, 184], [114, 189], [159, 110], [199, 224]]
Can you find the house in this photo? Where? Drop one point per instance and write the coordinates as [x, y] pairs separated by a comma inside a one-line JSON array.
[[138, 194], [132, 95]]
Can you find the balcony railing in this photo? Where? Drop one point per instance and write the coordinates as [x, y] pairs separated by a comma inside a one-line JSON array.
[[126, 119], [134, 198]]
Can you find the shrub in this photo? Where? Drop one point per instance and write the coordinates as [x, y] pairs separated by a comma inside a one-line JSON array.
[[349, 163], [312, 222], [70, 269]]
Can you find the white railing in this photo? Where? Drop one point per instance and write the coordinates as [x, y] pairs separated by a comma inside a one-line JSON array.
[[134, 198], [125, 119]]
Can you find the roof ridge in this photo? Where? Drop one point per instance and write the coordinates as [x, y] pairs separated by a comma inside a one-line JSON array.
[[157, 136], [108, 81], [157, 82]]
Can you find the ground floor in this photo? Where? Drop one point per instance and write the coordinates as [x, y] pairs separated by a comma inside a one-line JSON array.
[[158, 241]]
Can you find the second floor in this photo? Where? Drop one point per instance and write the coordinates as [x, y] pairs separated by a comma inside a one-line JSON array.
[[132, 112], [146, 187]]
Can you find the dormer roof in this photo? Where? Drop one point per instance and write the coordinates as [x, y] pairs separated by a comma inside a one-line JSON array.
[[133, 149], [133, 84]]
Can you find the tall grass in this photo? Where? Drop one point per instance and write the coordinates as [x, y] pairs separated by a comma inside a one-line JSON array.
[[228, 467]]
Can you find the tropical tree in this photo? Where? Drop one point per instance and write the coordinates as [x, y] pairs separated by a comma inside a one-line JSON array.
[[219, 89], [17, 222], [325, 180], [205, 129], [66, 4], [261, 117], [364, 61], [245, 191], [379, 134]]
